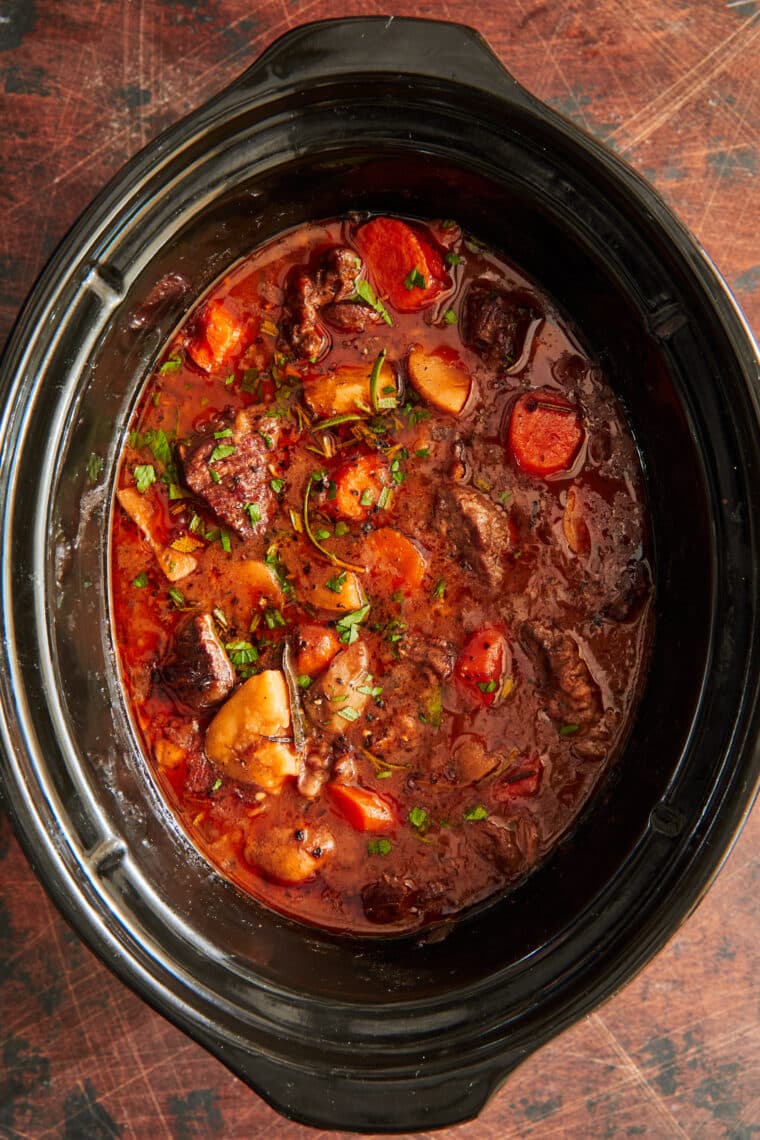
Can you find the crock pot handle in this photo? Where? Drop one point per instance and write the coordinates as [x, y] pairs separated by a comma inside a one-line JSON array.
[[375, 45], [338, 1100]]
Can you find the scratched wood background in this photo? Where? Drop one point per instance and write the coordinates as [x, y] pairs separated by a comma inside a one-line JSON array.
[[673, 86]]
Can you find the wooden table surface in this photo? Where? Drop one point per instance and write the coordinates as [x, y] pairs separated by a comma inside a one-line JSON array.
[[673, 87]]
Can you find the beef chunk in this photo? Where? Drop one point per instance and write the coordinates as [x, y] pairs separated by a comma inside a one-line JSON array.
[[631, 588], [573, 696], [332, 283], [392, 899], [230, 482], [351, 316], [433, 653], [198, 671], [478, 528], [496, 324]]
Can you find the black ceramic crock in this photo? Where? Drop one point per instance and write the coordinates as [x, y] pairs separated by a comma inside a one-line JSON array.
[[418, 118]]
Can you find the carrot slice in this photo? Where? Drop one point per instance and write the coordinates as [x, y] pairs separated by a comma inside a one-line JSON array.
[[545, 432], [404, 267], [316, 645], [364, 809], [394, 561], [219, 337], [359, 487], [481, 664]]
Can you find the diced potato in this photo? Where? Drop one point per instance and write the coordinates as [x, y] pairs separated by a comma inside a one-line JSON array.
[[173, 563], [442, 382], [472, 760], [347, 389], [243, 736], [290, 854], [167, 753], [252, 586], [340, 686], [344, 595]]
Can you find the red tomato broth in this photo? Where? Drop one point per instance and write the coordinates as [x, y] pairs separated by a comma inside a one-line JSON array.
[[442, 759]]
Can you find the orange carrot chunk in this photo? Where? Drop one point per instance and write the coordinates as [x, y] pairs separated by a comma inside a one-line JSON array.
[[364, 809], [316, 646], [404, 267], [394, 562], [219, 338], [545, 432], [359, 488], [481, 664]]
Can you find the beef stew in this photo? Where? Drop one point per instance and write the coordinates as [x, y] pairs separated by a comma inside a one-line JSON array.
[[380, 573]]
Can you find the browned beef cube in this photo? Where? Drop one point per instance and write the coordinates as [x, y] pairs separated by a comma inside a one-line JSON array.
[[230, 473], [496, 324], [479, 528], [198, 671], [331, 284]]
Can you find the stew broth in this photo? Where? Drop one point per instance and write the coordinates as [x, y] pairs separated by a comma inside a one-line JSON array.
[[380, 574]]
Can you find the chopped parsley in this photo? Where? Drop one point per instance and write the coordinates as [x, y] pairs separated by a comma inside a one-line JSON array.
[[216, 784], [177, 598], [268, 441], [222, 451], [277, 485], [450, 317], [370, 690], [241, 653], [348, 713], [224, 538], [215, 476], [173, 364], [303, 680], [337, 583], [568, 729], [273, 618], [341, 528], [253, 511], [140, 581], [145, 476], [418, 818], [439, 589], [365, 292], [488, 686], [346, 625], [323, 533], [379, 846], [477, 812], [382, 500], [422, 452], [453, 259], [226, 434], [367, 498], [414, 279]]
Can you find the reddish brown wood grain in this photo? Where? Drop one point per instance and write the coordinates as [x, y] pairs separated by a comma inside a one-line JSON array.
[[673, 87]]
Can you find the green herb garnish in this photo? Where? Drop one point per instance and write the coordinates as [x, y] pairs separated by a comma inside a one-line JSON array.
[[145, 476]]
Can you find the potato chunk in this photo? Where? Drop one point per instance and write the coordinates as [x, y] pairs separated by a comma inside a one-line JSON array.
[[141, 509], [289, 854], [245, 738], [347, 389], [442, 381]]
